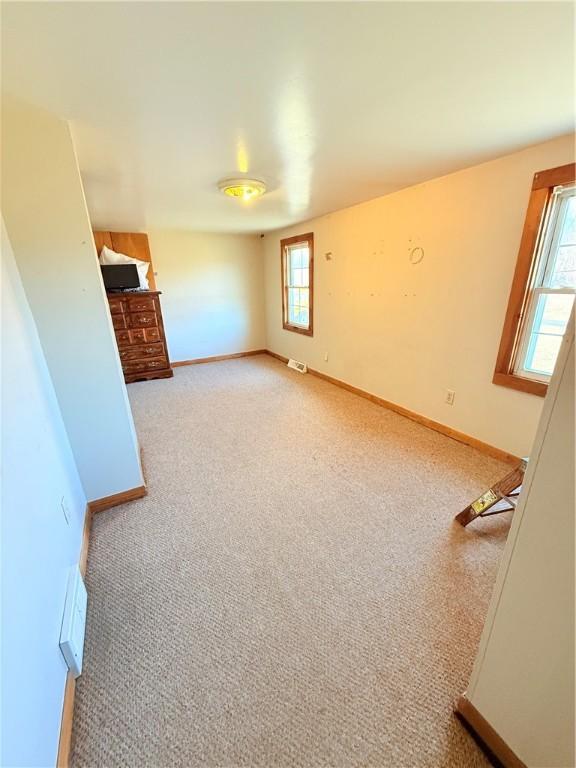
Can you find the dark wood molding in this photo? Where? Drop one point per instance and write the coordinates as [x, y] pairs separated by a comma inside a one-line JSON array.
[[486, 735], [307, 238], [134, 244], [217, 358], [523, 274], [531, 386], [443, 429], [65, 739], [107, 502], [554, 177], [542, 187]]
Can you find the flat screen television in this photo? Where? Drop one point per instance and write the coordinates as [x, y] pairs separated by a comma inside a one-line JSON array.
[[120, 277]]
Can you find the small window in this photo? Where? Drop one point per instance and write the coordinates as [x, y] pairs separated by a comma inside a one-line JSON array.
[[544, 285], [298, 283]]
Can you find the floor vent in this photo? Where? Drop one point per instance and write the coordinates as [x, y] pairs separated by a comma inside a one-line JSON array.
[[300, 367]]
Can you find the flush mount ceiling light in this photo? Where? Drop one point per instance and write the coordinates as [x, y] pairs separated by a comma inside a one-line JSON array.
[[245, 189]]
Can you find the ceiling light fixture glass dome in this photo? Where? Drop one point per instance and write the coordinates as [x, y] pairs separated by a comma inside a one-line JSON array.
[[245, 189]]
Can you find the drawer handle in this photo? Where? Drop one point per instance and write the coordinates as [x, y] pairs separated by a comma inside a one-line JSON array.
[[150, 350]]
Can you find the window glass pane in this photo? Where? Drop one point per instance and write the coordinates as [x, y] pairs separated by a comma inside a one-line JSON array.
[[299, 257], [564, 274], [563, 258], [550, 320], [299, 277], [552, 313], [303, 299], [568, 236], [542, 353]]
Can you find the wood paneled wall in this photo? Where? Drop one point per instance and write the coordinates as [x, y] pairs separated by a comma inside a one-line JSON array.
[[133, 244]]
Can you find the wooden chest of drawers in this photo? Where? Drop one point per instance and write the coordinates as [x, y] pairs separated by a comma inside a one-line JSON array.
[[137, 321]]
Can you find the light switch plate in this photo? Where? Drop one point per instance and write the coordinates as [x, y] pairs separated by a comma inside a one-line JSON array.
[[74, 622]]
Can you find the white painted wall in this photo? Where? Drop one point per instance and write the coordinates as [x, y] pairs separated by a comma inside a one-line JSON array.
[[523, 678], [47, 221], [38, 544], [408, 332], [213, 292]]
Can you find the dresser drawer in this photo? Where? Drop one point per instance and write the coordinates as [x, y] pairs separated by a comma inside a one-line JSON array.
[[117, 306], [119, 321], [141, 304], [152, 334], [123, 338], [144, 366], [141, 352], [138, 336], [142, 319]]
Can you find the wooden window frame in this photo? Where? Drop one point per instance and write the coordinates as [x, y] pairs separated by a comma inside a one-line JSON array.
[[542, 188], [309, 239]]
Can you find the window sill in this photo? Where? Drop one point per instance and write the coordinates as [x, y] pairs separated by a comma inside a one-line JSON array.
[[297, 329], [512, 381]]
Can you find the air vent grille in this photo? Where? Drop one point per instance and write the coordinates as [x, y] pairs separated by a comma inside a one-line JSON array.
[[297, 366]]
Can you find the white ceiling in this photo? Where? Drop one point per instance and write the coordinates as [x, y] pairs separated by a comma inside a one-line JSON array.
[[330, 103]]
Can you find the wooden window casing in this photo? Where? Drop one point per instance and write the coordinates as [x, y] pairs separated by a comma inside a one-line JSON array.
[[542, 189], [307, 239]]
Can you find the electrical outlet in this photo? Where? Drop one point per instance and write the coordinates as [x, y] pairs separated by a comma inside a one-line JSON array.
[[325, 357], [450, 395], [65, 509]]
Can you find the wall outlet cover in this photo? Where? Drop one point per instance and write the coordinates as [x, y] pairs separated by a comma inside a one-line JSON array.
[[74, 621]]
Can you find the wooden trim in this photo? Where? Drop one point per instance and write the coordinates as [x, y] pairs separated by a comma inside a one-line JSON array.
[[454, 434], [307, 238], [85, 540], [542, 187], [512, 381], [65, 740], [523, 274], [554, 177], [217, 358], [107, 502], [486, 734], [134, 244]]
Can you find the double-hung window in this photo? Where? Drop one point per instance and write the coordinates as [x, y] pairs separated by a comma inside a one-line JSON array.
[[544, 286], [297, 255]]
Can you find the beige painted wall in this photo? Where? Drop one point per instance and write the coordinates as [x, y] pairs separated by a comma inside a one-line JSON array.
[[523, 678], [407, 332], [213, 292]]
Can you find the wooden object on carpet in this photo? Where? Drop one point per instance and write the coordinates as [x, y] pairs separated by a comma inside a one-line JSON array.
[[500, 497]]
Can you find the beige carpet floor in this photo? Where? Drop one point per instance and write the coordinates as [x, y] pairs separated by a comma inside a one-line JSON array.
[[292, 592]]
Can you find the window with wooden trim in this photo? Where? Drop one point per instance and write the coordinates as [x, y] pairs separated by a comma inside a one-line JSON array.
[[544, 284], [297, 254]]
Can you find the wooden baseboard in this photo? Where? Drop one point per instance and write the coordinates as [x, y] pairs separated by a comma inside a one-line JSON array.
[[216, 358], [492, 742], [454, 434], [65, 739], [99, 505]]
